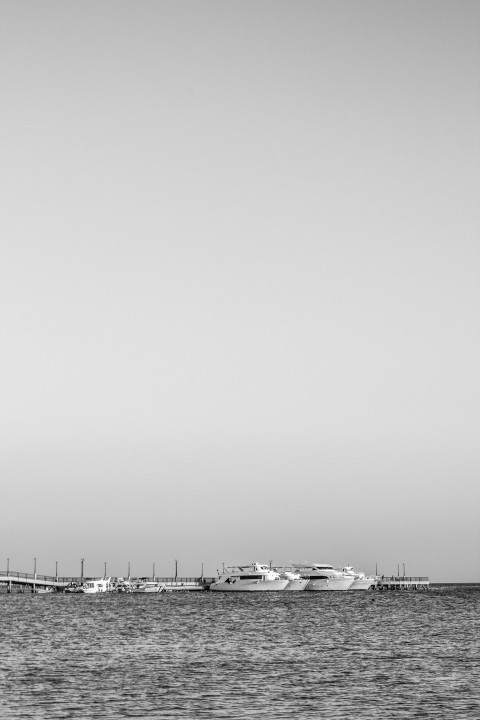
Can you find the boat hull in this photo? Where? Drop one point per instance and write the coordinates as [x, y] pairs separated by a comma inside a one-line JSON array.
[[297, 585], [148, 588], [249, 586], [329, 584], [183, 587], [362, 583]]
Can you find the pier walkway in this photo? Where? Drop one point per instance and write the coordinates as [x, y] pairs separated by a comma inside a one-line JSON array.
[[33, 582], [402, 583]]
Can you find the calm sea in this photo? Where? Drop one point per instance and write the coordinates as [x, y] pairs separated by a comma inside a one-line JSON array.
[[273, 655]]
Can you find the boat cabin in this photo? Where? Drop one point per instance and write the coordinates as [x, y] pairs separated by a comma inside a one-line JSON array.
[[96, 586]]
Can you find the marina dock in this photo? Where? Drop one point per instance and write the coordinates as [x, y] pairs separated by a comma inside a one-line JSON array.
[[34, 582]]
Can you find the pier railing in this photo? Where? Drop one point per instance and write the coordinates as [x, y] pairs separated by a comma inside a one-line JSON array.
[[402, 578], [35, 576], [23, 578], [410, 582], [29, 578]]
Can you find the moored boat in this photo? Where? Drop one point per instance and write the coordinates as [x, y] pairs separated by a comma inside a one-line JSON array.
[[360, 580], [295, 580], [184, 586], [249, 578], [147, 587], [102, 585], [123, 586], [322, 576]]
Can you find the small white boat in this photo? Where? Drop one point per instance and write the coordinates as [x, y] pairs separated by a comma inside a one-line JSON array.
[[186, 586], [101, 585], [250, 578], [147, 587], [44, 590], [360, 580]]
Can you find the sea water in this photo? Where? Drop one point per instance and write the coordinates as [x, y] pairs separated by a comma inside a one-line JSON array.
[[259, 655]]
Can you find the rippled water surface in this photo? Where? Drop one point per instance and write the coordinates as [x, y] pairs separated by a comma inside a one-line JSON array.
[[272, 655]]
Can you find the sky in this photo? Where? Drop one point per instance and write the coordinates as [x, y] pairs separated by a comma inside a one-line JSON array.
[[239, 285]]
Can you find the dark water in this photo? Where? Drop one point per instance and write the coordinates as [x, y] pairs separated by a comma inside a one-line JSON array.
[[273, 655]]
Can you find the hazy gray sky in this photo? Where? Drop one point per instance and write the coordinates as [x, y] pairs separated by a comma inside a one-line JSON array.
[[240, 284]]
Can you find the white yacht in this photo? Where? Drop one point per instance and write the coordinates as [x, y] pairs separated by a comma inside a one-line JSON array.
[[249, 578], [360, 580], [295, 580], [323, 577], [102, 585]]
